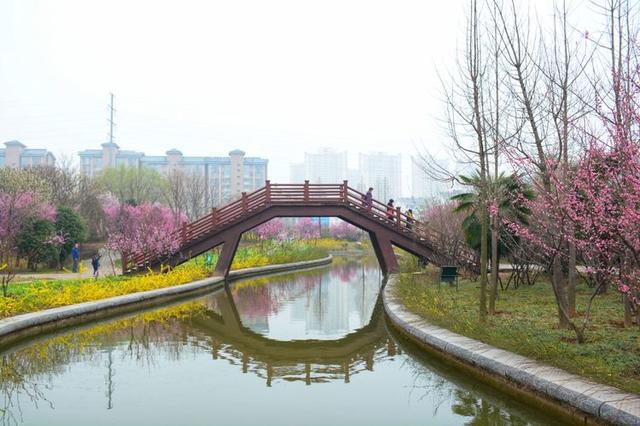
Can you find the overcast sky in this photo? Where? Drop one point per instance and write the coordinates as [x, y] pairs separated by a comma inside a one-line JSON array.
[[273, 78]]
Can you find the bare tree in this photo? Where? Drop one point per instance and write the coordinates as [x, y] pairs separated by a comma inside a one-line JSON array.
[[619, 47], [63, 181], [174, 186], [197, 204], [521, 60], [132, 184], [563, 69], [89, 206], [449, 224], [467, 123], [186, 193]]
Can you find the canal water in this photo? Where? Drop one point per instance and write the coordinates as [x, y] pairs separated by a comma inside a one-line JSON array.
[[309, 348]]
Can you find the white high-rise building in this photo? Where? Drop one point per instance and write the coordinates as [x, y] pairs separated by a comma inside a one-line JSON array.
[[356, 180], [326, 166], [296, 173], [382, 172], [424, 186]]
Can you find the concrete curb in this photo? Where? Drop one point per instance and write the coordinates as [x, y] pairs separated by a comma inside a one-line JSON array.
[[603, 403], [270, 269], [25, 325]]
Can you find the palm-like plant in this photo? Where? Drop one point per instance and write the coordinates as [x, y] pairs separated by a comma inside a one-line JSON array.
[[506, 192]]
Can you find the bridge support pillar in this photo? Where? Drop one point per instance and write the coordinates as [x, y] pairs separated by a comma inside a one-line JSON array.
[[384, 252], [223, 265]]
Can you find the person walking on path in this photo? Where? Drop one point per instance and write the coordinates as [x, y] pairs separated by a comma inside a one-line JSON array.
[[367, 199], [410, 219], [75, 255], [390, 210], [95, 262]]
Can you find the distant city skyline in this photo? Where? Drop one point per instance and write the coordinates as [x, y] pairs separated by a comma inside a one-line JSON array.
[[386, 172], [266, 77]]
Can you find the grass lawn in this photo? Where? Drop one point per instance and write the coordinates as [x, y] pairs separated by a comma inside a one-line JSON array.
[[526, 323]]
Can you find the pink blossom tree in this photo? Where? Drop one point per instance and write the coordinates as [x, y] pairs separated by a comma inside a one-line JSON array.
[[149, 229], [16, 208], [449, 224], [595, 206], [306, 229], [345, 231], [602, 206], [271, 230], [21, 201]]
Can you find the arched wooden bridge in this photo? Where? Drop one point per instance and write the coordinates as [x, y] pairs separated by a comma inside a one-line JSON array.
[[227, 224]]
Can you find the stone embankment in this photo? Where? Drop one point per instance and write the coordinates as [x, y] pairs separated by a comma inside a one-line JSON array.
[[548, 386]]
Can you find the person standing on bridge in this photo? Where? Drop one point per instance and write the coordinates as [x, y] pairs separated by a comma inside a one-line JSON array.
[[390, 210], [410, 219], [367, 199]]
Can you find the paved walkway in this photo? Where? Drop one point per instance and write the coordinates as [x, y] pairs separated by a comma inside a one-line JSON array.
[[105, 270], [508, 267]]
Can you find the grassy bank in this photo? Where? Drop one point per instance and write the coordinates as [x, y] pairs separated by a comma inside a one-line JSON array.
[[526, 323], [276, 253], [44, 294]]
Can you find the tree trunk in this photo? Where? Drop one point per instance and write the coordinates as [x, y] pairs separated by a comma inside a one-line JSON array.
[[571, 285], [113, 265], [628, 311], [559, 284], [484, 246], [493, 295]]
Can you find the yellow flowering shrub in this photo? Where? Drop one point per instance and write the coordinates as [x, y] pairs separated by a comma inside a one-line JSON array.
[[44, 294], [50, 294], [330, 244], [251, 262]]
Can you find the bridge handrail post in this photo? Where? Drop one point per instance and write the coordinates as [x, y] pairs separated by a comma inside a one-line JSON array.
[[306, 190], [183, 232], [267, 190], [399, 216], [214, 217], [244, 202], [344, 191]]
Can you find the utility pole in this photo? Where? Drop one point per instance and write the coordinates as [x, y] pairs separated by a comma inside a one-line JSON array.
[[111, 111]]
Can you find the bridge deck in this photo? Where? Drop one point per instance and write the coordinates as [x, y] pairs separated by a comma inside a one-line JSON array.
[[225, 225]]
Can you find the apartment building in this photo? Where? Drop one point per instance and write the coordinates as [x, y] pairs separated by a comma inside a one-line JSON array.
[[383, 172], [15, 154], [225, 177]]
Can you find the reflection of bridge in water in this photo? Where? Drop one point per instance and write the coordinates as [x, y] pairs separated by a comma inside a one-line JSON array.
[[311, 361]]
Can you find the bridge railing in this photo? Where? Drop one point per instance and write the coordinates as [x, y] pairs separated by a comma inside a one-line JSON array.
[[296, 194], [305, 193]]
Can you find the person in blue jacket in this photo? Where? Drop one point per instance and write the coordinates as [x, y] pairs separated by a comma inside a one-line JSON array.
[[75, 255]]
